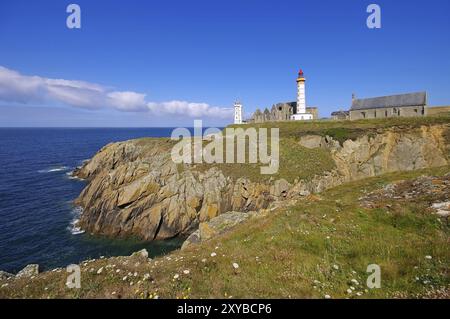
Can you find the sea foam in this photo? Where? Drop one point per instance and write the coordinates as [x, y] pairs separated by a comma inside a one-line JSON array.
[[73, 227], [54, 169]]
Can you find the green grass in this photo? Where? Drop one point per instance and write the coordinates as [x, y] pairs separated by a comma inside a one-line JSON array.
[[297, 162], [348, 129], [282, 254]]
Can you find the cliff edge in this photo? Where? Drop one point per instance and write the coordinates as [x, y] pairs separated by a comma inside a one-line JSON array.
[[135, 189]]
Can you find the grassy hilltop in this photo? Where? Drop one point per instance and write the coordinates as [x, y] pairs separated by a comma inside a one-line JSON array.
[[298, 162]]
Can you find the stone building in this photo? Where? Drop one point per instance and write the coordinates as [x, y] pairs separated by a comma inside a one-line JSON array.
[[280, 112], [290, 111], [403, 105], [340, 115]]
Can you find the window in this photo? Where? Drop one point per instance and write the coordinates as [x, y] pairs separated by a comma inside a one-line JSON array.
[[375, 114], [386, 113], [363, 114]]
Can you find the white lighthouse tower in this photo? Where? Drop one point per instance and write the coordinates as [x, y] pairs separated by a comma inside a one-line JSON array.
[[237, 113], [301, 114]]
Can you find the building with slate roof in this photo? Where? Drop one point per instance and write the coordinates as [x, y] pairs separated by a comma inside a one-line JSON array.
[[340, 115], [404, 105]]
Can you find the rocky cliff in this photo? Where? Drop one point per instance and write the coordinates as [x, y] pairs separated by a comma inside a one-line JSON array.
[[135, 189]]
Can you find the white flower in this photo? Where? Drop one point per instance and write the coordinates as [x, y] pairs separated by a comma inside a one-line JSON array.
[[336, 267], [349, 291], [203, 260], [100, 271], [428, 257], [186, 272], [213, 254], [176, 276], [235, 266], [327, 297]]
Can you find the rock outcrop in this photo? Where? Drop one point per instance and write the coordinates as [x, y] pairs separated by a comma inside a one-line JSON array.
[[29, 271], [394, 150], [216, 226], [135, 189]]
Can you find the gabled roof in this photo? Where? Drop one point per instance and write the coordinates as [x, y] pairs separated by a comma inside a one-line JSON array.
[[346, 113], [410, 99]]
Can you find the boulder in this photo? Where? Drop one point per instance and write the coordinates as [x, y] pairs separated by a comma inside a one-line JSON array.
[[216, 226], [28, 271], [143, 253], [312, 141]]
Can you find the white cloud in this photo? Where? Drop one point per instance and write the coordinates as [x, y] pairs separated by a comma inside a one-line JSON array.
[[128, 101], [18, 88], [194, 110]]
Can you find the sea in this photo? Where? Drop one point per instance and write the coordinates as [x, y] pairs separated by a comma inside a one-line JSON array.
[[37, 213]]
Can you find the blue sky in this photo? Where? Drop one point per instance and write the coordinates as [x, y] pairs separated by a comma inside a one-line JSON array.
[[192, 59]]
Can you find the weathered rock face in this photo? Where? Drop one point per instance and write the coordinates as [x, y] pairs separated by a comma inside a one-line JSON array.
[[28, 271], [135, 189], [395, 150]]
